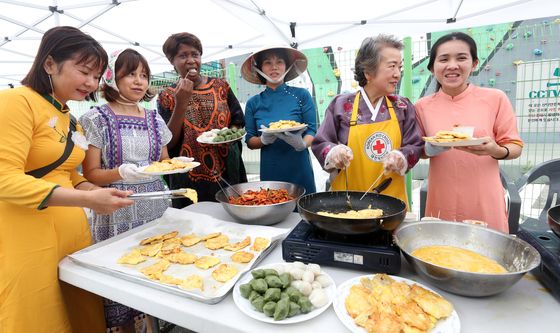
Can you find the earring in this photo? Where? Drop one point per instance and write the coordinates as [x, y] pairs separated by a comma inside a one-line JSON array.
[[50, 81]]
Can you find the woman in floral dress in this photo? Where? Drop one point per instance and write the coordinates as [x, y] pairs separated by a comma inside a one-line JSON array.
[[123, 137]]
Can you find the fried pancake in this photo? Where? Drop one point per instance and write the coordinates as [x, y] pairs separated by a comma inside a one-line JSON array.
[[447, 136], [431, 303], [239, 245], [217, 242], [283, 124], [411, 329], [133, 258], [169, 235], [212, 235], [242, 257], [180, 257], [206, 262], [174, 240], [451, 135], [156, 269], [190, 240], [167, 165], [191, 194], [357, 301], [169, 279], [260, 244], [192, 282], [152, 240], [383, 322], [411, 314], [382, 304], [224, 272], [171, 247], [151, 250]]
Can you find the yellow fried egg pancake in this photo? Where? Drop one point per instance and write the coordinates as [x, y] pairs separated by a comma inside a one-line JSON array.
[[132, 258], [224, 273], [242, 257], [206, 262]]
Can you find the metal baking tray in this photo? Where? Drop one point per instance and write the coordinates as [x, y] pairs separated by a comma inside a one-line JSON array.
[[174, 290], [195, 295]]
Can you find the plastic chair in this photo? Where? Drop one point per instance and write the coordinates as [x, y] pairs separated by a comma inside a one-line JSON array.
[[513, 203], [551, 170]]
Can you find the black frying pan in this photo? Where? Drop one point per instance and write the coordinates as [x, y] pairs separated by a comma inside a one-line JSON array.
[[554, 219], [394, 211]]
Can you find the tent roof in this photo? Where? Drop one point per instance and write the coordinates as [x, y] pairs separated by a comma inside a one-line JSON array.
[[232, 27]]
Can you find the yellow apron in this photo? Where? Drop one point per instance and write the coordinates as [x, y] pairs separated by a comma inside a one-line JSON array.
[[370, 143]]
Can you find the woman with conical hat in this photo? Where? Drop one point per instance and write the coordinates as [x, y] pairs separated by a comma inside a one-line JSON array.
[[284, 156]]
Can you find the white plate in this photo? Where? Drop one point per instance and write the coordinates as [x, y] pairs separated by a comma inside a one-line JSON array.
[[462, 143], [170, 172], [283, 130], [198, 139], [245, 306], [451, 324]]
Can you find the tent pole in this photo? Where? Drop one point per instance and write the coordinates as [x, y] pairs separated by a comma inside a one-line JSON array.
[[406, 91], [232, 78]]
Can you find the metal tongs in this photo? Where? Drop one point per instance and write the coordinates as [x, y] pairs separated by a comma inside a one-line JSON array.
[[170, 194], [220, 178]]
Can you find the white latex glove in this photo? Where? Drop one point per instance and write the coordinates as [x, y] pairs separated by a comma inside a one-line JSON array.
[[294, 139], [432, 150], [267, 138], [184, 159], [395, 162], [338, 157], [129, 172]]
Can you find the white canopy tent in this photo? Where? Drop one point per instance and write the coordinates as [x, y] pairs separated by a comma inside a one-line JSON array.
[[232, 27]]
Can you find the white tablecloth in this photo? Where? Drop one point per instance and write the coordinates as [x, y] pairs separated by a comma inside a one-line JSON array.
[[526, 307]]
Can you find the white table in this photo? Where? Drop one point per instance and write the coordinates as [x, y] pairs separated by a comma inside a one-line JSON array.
[[526, 307]]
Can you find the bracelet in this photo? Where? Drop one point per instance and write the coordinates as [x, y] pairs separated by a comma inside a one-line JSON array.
[[506, 156]]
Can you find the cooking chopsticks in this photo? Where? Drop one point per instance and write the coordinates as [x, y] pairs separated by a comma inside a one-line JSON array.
[[372, 185]]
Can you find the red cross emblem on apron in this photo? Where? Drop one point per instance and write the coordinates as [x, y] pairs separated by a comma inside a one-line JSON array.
[[377, 146]]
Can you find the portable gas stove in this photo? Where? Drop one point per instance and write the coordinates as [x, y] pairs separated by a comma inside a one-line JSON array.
[[369, 252], [548, 244]]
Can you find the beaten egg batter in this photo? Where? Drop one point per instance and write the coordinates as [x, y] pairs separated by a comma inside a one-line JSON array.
[[459, 259], [367, 213]]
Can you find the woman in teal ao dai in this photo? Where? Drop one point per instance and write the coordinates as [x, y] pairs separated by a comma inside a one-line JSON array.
[[284, 156]]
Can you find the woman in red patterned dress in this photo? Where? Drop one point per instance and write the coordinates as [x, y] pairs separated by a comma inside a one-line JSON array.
[[193, 105]]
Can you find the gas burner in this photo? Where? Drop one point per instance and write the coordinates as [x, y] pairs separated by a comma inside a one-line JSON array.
[[376, 238], [548, 244], [373, 252]]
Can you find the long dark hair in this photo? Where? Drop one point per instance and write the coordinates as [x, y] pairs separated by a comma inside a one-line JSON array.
[[64, 43], [449, 37], [127, 62]]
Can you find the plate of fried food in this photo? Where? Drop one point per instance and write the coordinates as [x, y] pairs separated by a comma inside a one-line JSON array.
[[167, 167], [282, 126], [454, 138], [387, 303], [284, 293]]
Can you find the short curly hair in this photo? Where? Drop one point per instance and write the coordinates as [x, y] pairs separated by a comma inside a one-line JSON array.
[[369, 55], [173, 42]]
